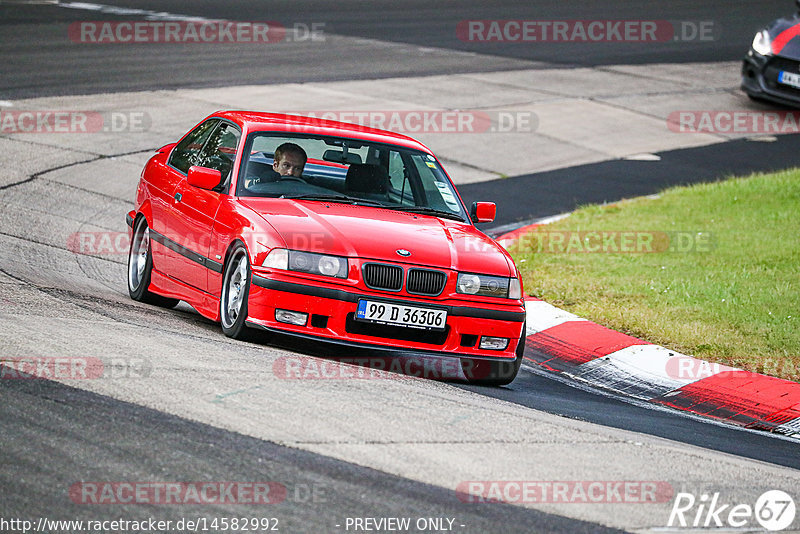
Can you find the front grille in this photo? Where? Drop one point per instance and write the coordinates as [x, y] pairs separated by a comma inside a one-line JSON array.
[[772, 70], [425, 282], [784, 63], [385, 277]]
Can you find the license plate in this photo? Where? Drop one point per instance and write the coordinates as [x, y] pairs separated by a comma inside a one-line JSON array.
[[401, 315], [789, 78]]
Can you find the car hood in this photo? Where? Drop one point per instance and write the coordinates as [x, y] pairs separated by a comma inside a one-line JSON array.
[[787, 24], [377, 234]]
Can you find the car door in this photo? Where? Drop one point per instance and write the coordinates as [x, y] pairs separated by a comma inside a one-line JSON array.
[[194, 209], [166, 256]]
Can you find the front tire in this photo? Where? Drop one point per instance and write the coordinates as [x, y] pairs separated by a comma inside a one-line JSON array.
[[494, 373], [140, 267], [235, 291]]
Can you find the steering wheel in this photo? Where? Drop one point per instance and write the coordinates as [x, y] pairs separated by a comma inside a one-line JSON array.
[[290, 178]]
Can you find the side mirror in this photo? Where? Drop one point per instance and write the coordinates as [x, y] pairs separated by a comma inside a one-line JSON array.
[[483, 212], [203, 177]]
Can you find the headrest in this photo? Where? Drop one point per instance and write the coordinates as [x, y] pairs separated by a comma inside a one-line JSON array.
[[366, 178], [263, 171]]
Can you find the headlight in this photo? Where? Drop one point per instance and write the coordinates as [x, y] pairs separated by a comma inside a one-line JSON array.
[[469, 283], [515, 289], [278, 258], [307, 262], [332, 266], [488, 286], [762, 43]]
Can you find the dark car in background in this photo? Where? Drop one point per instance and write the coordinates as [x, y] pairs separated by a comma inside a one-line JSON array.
[[771, 68]]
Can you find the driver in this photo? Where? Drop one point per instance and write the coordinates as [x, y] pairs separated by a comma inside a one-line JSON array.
[[289, 160]]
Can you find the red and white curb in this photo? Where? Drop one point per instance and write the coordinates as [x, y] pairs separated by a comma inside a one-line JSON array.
[[509, 238], [562, 342]]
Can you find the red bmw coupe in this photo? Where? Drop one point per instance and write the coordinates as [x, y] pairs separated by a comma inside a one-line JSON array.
[[322, 229]]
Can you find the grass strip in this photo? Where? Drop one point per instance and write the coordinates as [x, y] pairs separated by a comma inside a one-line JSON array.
[[711, 270]]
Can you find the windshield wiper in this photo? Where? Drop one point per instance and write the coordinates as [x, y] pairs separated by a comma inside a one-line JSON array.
[[334, 198], [430, 211]]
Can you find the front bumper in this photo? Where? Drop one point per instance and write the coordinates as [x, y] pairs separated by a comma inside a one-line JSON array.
[[760, 78], [331, 313]]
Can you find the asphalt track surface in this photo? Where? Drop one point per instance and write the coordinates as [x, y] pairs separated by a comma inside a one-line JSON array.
[[43, 61], [562, 190], [54, 434], [105, 435]]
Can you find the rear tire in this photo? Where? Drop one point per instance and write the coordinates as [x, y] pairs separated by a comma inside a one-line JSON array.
[[494, 373], [235, 291], [140, 266]]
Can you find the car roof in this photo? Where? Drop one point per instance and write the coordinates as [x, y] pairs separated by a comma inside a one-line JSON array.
[[251, 121]]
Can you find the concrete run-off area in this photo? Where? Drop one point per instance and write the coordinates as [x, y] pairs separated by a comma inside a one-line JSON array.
[[483, 125]]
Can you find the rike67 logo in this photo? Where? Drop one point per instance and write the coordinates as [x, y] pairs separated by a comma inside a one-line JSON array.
[[774, 510]]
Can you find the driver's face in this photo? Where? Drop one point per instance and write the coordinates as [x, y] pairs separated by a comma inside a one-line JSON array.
[[289, 165]]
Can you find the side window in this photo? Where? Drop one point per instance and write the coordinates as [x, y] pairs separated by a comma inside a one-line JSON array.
[[220, 150], [185, 154]]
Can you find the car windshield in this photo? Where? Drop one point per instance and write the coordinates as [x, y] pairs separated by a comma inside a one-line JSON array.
[[349, 170]]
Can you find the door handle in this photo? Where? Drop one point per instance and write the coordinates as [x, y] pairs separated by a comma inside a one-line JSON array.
[[178, 197]]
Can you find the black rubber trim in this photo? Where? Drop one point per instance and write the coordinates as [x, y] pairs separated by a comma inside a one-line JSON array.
[[129, 220], [301, 289], [185, 252], [370, 346], [214, 265], [480, 313], [346, 296]]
